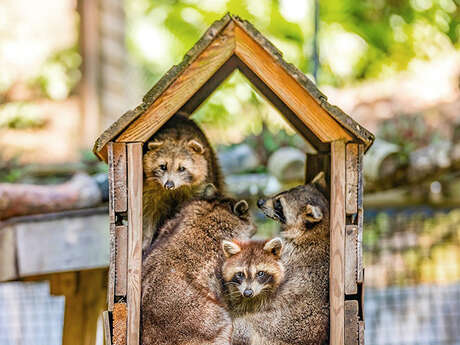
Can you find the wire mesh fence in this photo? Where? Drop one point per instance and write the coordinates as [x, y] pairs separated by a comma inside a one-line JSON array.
[[29, 315], [412, 261]]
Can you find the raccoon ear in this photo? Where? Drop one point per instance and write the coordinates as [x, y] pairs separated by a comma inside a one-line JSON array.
[[274, 246], [196, 146], [209, 191], [152, 145], [313, 214], [230, 248], [319, 181], [241, 208]]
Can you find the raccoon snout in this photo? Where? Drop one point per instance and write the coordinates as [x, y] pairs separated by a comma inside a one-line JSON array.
[[260, 203], [248, 293], [169, 184]]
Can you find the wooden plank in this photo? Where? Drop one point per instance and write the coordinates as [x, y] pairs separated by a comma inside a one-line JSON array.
[[352, 178], [84, 293], [361, 332], [121, 260], [351, 238], [337, 246], [134, 241], [8, 266], [351, 323], [183, 88], [111, 277], [287, 113], [287, 88], [118, 197], [106, 326], [360, 267], [78, 243], [359, 248], [208, 88]]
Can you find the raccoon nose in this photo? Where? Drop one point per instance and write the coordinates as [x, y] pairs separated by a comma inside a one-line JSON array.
[[260, 202], [169, 184], [248, 293]]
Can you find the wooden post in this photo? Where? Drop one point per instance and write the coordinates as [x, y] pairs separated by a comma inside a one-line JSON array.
[[89, 47], [337, 246], [84, 293], [134, 240]]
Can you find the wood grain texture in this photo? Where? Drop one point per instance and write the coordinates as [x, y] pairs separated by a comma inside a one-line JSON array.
[[337, 247], [287, 88], [183, 88], [8, 266], [119, 329], [351, 239], [361, 328], [118, 197], [106, 327], [351, 323], [78, 243], [121, 260], [359, 244], [111, 276], [134, 241], [352, 178], [287, 113]]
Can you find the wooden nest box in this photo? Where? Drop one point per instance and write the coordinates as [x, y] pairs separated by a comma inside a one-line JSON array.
[[232, 43]]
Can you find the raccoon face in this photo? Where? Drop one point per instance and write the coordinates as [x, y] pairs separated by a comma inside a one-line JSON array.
[[303, 206], [173, 164], [252, 269]]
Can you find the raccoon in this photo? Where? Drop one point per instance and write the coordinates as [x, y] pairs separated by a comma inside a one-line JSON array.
[[181, 281], [252, 273], [299, 313], [178, 161]]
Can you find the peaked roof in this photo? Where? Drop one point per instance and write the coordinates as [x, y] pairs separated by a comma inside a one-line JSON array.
[[232, 43]]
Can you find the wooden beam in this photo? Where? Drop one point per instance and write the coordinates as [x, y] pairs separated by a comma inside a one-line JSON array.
[[287, 88], [134, 241], [118, 195], [121, 260], [285, 111], [106, 326], [111, 276], [183, 88], [337, 246], [352, 178], [208, 88], [351, 323], [77, 244], [351, 239]]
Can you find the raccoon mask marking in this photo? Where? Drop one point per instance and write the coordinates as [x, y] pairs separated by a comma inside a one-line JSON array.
[[252, 272], [173, 164], [302, 207]]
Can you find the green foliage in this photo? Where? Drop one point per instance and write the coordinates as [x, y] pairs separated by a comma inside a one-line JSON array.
[[20, 115], [60, 74], [358, 40]]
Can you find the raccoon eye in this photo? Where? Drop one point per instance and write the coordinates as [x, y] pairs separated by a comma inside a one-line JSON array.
[[163, 167], [181, 169], [278, 205], [261, 274]]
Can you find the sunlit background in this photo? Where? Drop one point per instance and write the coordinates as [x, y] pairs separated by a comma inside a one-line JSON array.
[[68, 69]]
